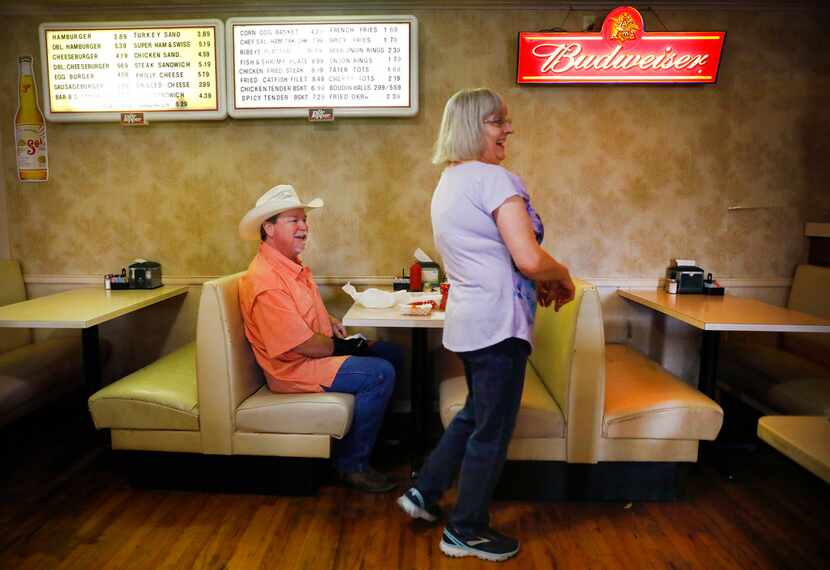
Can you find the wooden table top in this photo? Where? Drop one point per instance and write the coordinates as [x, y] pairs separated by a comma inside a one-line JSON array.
[[82, 308], [360, 316], [804, 439], [727, 312]]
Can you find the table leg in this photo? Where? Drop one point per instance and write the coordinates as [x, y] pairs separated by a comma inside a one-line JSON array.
[[707, 380], [716, 453], [418, 381], [91, 358]]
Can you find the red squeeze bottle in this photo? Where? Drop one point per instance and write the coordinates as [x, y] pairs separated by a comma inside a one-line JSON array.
[[415, 277]]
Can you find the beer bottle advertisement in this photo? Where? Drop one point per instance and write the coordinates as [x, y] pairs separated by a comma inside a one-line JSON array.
[[29, 128]]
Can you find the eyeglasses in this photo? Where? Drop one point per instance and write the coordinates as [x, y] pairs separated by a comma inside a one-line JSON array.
[[500, 123]]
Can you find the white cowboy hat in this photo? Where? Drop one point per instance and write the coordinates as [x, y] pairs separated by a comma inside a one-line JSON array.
[[278, 199]]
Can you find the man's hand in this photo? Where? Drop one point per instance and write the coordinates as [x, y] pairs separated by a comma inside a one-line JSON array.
[[337, 327], [355, 346]]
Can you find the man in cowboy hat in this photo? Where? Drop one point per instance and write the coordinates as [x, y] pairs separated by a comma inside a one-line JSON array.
[[299, 345]]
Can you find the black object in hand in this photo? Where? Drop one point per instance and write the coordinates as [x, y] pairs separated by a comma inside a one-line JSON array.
[[350, 346]]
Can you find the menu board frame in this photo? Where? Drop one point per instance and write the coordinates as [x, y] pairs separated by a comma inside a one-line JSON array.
[[283, 112], [219, 113]]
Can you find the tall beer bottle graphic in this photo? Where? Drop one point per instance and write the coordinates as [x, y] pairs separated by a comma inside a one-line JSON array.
[[29, 128]]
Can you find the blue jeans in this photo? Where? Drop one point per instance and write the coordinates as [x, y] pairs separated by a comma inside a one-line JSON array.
[[476, 440], [372, 380]]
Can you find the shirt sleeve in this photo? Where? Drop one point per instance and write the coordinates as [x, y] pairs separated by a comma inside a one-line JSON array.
[[496, 187], [280, 324]]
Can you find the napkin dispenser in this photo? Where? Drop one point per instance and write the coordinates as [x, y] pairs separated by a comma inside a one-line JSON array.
[[689, 278], [424, 274], [145, 275]]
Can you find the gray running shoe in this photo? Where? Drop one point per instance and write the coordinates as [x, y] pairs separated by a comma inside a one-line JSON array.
[[412, 503], [486, 544]]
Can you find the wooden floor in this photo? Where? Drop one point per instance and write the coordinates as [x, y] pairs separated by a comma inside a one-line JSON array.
[[65, 505]]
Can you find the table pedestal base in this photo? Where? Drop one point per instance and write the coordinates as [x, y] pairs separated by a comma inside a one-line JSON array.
[[90, 341], [420, 377]]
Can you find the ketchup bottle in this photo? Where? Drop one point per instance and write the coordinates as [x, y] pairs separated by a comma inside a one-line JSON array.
[[415, 277]]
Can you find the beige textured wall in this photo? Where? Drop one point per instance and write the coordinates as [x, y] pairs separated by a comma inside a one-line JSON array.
[[625, 177]]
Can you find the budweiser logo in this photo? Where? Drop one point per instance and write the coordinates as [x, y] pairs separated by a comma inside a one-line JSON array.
[[624, 27], [622, 53]]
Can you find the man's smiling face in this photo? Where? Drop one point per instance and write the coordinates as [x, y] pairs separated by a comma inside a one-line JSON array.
[[288, 233]]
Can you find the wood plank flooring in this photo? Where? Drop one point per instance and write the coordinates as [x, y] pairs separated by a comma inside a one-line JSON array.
[[63, 504]]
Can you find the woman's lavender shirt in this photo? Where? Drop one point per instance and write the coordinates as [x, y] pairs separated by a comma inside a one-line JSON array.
[[489, 300]]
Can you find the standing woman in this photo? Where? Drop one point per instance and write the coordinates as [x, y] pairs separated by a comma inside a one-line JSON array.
[[488, 235]]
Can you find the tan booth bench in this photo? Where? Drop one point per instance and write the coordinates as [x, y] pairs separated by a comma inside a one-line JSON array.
[[787, 373], [804, 439], [32, 374], [209, 397], [596, 421]]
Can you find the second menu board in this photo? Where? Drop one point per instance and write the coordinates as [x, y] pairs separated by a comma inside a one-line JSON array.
[[356, 65]]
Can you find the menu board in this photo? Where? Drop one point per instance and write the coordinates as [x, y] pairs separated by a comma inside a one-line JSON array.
[[355, 65], [169, 70]]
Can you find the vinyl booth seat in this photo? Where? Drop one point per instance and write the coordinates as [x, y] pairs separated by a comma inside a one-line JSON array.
[[239, 414], [651, 415], [551, 422], [556, 420], [32, 374], [210, 397], [155, 408], [596, 421], [786, 373], [540, 427]]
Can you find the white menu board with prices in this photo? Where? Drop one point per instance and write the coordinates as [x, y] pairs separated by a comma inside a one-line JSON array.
[[355, 65], [171, 70]]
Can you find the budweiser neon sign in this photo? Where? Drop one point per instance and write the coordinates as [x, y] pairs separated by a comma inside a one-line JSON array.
[[623, 52]]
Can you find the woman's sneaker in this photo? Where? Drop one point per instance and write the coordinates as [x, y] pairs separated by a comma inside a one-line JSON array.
[[412, 503], [486, 544]]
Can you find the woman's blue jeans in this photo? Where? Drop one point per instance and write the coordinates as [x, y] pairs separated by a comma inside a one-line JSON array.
[[372, 380], [477, 438]]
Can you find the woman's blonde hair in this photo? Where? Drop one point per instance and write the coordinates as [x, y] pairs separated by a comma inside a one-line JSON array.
[[459, 137]]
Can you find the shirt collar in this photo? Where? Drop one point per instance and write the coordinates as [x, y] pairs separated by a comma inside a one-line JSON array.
[[280, 262]]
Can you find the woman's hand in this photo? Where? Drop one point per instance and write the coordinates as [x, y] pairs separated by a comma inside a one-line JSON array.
[[337, 327], [544, 293], [562, 291], [559, 292]]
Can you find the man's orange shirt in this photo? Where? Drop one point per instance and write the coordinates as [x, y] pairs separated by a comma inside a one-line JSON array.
[[282, 308]]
